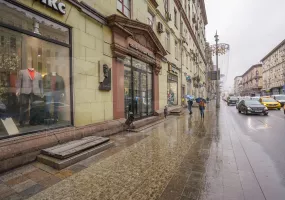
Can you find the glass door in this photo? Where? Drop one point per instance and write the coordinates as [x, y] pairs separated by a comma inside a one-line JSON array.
[[138, 88], [137, 98]]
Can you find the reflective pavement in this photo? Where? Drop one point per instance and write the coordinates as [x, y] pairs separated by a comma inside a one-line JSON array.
[[184, 157]]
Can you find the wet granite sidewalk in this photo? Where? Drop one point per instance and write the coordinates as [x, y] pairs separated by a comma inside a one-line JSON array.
[[183, 158]]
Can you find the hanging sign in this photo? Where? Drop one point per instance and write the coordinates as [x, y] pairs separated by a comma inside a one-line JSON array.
[[53, 4]]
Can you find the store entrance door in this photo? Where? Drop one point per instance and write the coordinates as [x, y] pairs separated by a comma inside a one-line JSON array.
[[140, 93], [138, 88]]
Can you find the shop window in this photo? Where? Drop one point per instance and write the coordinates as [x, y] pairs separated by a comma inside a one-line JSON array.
[[172, 90], [34, 85], [124, 6]]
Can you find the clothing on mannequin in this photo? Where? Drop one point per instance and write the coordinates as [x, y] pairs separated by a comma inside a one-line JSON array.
[[54, 89], [29, 89]]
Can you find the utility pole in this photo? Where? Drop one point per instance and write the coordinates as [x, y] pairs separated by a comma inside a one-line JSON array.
[[218, 76]]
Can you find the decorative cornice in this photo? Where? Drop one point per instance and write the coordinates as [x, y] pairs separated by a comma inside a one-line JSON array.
[[154, 3], [180, 7], [123, 23]]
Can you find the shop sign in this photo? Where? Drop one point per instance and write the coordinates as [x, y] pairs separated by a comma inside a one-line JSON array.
[[133, 46], [173, 69], [188, 78], [172, 77], [53, 4]]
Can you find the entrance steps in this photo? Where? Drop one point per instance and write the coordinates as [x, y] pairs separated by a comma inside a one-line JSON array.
[[177, 111], [64, 155]]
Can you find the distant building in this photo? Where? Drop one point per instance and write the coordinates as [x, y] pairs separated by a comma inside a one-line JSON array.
[[274, 70], [238, 85], [252, 81]]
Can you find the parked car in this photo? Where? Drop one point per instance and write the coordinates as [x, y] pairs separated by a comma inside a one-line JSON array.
[[252, 107], [280, 98], [270, 103], [255, 98], [232, 100], [239, 100]]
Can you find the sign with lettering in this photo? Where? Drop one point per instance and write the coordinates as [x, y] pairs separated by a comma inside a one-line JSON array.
[[172, 78], [136, 47], [57, 6]]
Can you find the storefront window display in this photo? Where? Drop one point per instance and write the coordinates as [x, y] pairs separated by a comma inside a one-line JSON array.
[[138, 88], [34, 72], [172, 89]]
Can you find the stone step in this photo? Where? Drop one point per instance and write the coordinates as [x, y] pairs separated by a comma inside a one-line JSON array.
[[72, 148], [177, 111], [63, 163], [150, 125]]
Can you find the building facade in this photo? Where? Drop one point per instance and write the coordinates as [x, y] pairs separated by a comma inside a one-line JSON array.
[[274, 70], [252, 81], [210, 84], [238, 86], [71, 69]]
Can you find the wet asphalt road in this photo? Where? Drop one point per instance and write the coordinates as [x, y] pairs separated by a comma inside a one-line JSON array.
[[265, 149]]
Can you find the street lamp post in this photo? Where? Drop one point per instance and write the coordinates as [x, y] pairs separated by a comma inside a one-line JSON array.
[[219, 49], [217, 66]]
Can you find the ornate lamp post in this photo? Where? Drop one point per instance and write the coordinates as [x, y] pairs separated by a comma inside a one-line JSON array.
[[218, 49]]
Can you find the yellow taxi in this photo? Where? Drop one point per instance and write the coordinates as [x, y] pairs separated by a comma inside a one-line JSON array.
[[270, 103]]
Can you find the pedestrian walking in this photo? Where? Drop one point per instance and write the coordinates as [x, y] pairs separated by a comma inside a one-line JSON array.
[[165, 111], [190, 104], [202, 108]]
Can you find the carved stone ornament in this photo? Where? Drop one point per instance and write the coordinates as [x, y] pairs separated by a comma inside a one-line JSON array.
[[124, 30]]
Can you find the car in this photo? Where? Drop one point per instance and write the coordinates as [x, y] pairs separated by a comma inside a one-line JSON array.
[[232, 100], [255, 98], [239, 100], [280, 98], [270, 103], [252, 107]]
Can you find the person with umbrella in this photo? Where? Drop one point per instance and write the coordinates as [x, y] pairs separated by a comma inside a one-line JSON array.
[[190, 103], [202, 106]]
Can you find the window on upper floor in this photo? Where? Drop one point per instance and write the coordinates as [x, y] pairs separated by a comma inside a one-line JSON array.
[[124, 6], [176, 49], [181, 28], [150, 19], [166, 5], [175, 17], [189, 12], [167, 41], [185, 5]]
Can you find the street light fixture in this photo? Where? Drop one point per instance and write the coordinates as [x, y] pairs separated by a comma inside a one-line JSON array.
[[219, 49]]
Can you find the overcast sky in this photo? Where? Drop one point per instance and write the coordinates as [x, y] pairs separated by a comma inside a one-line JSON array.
[[252, 28]]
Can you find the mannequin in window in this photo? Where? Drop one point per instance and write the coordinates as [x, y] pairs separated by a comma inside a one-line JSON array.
[[54, 90], [29, 89]]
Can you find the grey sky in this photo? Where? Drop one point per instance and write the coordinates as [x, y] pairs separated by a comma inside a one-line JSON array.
[[251, 27]]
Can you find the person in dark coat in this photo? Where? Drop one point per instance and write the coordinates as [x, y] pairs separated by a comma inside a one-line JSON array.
[[190, 104]]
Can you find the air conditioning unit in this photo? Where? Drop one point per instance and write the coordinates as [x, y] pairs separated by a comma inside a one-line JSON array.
[[159, 27]]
